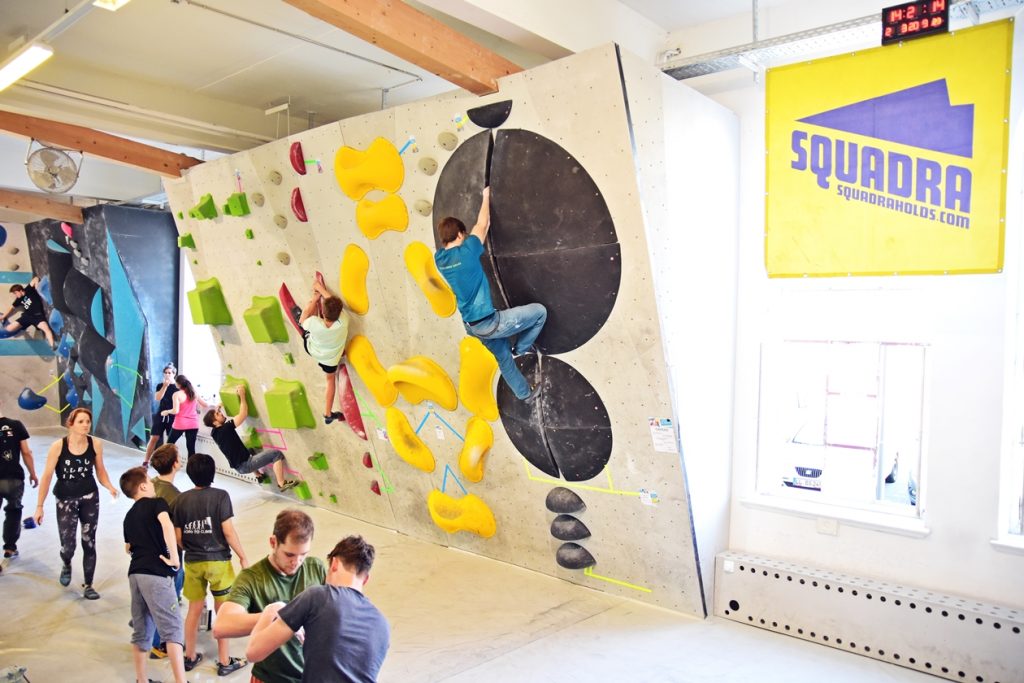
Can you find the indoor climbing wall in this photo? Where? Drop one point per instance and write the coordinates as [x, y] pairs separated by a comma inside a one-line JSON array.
[[103, 281], [26, 359], [586, 483]]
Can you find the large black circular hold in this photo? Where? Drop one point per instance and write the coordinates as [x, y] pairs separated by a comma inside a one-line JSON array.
[[565, 432], [568, 528], [563, 500], [490, 115], [574, 556], [461, 183]]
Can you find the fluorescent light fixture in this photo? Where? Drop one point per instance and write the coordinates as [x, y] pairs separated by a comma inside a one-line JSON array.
[[112, 5], [21, 62]]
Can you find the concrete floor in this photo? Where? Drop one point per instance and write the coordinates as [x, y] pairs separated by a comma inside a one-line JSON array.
[[455, 617]]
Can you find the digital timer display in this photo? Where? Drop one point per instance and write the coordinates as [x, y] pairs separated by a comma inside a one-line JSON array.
[[914, 20]]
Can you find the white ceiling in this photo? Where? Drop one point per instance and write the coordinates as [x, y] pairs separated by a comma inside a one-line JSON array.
[[183, 72]]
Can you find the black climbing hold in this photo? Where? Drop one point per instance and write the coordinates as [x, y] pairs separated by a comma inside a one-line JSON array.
[[566, 432], [563, 500], [568, 528], [490, 115], [574, 556]]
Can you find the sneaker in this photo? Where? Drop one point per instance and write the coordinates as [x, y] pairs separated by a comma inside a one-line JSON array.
[[65, 575], [90, 593], [233, 665], [289, 484], [159, 651], [191, 663], [534, 393], [10, 554], [328, 419]]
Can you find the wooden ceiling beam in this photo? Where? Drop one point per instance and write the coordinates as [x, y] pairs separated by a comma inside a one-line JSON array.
[[98, 144], [40, 206], [417, 38]]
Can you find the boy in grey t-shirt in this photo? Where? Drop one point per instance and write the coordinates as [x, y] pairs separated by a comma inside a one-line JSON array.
[[347, 637], [202, 523]]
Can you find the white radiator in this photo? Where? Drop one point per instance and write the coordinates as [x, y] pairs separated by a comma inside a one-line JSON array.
[[949, 636]]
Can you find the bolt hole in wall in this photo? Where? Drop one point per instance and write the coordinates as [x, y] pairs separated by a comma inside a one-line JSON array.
[[841, 423]]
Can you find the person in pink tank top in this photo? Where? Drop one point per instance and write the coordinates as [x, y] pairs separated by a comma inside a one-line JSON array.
[[185, 410]]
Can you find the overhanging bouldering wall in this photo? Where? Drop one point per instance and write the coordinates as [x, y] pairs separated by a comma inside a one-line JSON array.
[[26, 361], [103, 280], [586, 483]]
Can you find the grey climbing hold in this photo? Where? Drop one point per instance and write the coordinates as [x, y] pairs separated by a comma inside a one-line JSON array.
[[428, 166], [257, 199], [568, 528], [14, 266], [14, 250], [280, 221], [275, 177], [448, 140], [563, 501], [574, 556], [284, 258], [423, 207]]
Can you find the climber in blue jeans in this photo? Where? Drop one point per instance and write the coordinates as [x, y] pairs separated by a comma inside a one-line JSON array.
[[458, 259]]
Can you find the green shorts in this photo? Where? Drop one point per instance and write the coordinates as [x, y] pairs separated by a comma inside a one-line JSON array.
[[217, 574]]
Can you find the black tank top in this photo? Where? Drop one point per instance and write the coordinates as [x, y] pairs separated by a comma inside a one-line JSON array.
[[167, 402], [75, 472]]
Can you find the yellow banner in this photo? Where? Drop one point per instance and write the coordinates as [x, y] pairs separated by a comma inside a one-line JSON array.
[[892, 160]]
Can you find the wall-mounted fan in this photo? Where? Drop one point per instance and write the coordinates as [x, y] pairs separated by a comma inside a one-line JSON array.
[[52, 169]]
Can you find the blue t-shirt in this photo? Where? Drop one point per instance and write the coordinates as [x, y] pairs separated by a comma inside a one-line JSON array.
[[346, 636], [461, 267]]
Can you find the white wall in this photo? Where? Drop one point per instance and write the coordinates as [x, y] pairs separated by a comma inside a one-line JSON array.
[[961, 318]]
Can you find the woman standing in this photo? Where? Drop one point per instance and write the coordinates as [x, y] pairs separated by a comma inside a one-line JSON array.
[[74, 458], [161, 423], [185, 410]]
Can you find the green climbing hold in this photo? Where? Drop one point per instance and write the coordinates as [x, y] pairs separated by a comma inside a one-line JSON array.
[[259, 263], [287, 405], [248, 233], [318, 461], [181, 215], [229, 397], [207, 304], [334, 498], [264, 320], [252, 440], [302, 491], [205, 209], [289, 359], [237, 205], [222, 342], [186, 240]]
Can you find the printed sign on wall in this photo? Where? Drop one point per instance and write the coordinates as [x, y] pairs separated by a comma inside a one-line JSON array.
[[891, 160]]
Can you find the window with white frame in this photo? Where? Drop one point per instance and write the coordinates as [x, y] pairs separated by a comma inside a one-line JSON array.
[[841, 423]]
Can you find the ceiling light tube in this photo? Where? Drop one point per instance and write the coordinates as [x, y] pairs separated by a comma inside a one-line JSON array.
[[112, 5], [23, 61]]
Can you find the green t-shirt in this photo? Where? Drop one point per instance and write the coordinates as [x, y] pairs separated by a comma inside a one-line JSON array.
[[165, 490], [260, 585]]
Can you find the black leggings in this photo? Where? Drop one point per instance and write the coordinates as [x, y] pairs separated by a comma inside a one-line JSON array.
[[71, 511], [190, 438]]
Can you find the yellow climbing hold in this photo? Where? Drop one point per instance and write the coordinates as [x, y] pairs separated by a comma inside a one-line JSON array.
[[479, 439], [420, 378], [406, 443], [377, 168], [390, 213], [477, 368], [420, 262], [468, 513], [363, 358], [352, 275]]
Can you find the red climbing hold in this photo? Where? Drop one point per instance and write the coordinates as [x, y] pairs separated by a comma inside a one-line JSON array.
[[297, 158], [375, 487], [298, 208], [367, 461]]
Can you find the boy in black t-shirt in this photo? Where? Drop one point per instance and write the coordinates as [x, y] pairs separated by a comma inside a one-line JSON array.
[[149, 539], [33, 312]]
